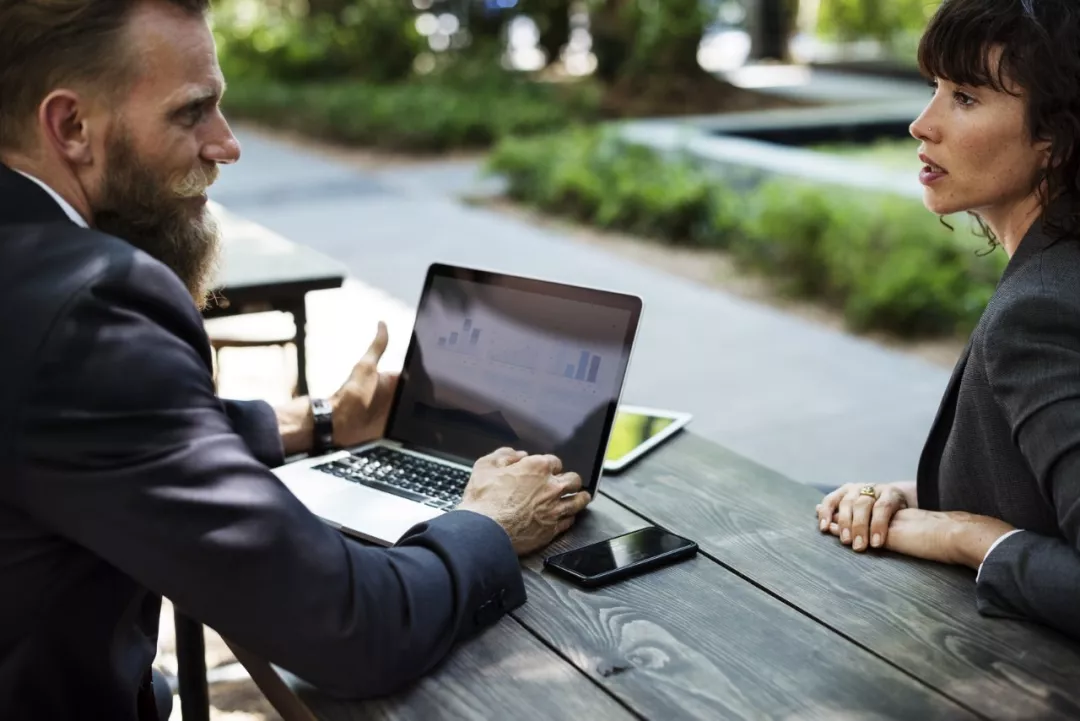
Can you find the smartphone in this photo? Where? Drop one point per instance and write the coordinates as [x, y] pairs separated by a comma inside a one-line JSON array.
[[621, 557]]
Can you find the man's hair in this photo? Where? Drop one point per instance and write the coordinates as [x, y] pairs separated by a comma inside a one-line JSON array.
[[46, 44], [1039, 41]]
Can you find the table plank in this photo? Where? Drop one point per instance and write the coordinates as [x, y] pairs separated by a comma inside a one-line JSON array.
[[917, 615], [695, 641], [254, 256], [505, 673]]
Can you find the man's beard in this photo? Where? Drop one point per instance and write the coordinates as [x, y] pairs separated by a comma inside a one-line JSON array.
[[157, 216]]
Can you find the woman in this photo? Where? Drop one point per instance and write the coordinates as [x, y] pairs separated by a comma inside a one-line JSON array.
[[998, 484]]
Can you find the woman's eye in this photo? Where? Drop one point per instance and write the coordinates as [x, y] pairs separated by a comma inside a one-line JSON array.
[[963, 98]]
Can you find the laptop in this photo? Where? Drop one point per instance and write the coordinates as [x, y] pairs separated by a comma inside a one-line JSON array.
[[494, 360]]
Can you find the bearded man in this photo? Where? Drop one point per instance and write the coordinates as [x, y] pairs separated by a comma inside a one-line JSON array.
[[123, 478]]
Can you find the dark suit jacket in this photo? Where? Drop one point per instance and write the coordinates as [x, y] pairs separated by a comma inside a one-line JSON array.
[[124, 478], [1006, 442]]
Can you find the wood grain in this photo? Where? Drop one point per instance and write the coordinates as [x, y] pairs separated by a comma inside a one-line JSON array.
[[919, 616], [505, 673], [694, 641]]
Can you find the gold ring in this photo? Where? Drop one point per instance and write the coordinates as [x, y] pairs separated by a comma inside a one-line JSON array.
[[868, 491]]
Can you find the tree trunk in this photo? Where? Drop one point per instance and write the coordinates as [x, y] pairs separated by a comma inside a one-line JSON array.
[[664, 37], [611, 38], [554, 22], [487, 25], [647, 52], [775, 21]]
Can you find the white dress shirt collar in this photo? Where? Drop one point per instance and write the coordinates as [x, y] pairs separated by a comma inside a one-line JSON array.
[[64, 205]]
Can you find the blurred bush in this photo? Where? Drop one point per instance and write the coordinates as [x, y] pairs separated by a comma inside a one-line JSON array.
[[884, 260], [423, 115], [857, 19], [644, 39], [344, 70], [593, 177], [292, 41]]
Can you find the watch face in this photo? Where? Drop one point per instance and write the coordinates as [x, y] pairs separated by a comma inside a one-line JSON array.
[[321, 407]]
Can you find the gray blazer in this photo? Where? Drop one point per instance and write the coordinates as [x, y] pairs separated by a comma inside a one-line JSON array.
[[1006, 441], [124, 478]]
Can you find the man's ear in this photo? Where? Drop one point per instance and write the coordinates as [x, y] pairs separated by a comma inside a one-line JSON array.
[[64, 120]]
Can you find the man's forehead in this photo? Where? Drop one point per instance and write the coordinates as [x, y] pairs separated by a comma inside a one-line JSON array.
[[174, 52]]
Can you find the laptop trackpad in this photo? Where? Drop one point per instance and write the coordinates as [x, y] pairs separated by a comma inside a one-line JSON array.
[[370, 514]]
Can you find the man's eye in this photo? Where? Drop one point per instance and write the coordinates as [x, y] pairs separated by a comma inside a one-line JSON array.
[[193, 115]]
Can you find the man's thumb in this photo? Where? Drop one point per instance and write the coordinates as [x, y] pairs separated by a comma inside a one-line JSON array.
[[378, 346]]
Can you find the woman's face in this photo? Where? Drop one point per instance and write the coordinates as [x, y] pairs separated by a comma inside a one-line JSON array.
[[977, 152]]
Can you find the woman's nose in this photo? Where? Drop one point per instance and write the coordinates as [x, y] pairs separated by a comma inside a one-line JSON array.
[[923, 128]]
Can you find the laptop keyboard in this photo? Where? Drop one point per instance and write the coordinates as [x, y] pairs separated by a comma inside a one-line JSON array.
[[400, 474]]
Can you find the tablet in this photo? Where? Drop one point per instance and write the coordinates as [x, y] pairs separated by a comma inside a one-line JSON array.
[[638, 430]]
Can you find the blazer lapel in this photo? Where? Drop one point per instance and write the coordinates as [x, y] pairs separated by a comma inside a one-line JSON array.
[[22, 201], [930, 460], [1034, 241]]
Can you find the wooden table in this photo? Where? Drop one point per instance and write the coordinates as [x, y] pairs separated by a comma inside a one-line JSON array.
[[260, 271], [771, 620]]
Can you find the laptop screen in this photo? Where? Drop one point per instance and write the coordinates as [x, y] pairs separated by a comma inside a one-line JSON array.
[[498, 360]]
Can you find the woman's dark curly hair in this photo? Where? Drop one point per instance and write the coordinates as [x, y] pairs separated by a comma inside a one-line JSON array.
[[1040, 44]]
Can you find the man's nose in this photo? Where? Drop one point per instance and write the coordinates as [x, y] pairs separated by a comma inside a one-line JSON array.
[[224, 152]]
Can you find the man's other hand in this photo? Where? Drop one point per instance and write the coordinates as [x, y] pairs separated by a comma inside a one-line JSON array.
[[529, 496], [362, 405]]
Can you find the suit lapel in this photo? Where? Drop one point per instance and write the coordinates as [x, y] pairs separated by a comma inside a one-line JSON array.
[[1034, 241], [930, 461], [23, 201]]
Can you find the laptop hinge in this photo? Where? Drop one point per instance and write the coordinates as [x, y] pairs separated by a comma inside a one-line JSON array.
[[420, 450]]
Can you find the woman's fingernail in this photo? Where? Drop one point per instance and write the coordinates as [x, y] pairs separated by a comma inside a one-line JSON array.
[[858, 543], [876, 540], [845, 536], [823, 525]]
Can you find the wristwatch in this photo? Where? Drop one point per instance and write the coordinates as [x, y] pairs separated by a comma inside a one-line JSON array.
[[323, 413]]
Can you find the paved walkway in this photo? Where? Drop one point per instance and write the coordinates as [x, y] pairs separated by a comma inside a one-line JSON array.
[[815, 404]]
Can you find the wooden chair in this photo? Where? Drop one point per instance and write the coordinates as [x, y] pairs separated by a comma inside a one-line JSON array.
[[253, 330]]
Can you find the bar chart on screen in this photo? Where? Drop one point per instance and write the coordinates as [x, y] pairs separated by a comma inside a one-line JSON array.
[[560, 363], [552, 359], [578, 364], [465, 340]]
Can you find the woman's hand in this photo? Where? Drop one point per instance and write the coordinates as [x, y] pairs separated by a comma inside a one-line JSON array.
[[945, 537], [862, 520]]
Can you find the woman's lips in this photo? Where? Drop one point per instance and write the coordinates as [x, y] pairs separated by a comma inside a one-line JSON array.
[[931, 171]]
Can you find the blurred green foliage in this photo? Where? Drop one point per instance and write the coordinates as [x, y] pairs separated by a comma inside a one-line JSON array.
[[289, 41], [593, 177], [635, 39], [885, 20], [345, 70], [884, 260], [434, 114]]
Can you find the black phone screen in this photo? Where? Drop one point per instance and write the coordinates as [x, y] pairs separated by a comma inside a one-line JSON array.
[[620, 552]]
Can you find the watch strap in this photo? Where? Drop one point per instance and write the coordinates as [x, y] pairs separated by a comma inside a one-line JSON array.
[[323, 413]]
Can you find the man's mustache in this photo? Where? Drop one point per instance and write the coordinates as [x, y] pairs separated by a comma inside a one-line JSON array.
[[196, 182]]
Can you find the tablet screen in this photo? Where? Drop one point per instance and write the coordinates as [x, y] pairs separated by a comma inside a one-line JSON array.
[[631, 429]]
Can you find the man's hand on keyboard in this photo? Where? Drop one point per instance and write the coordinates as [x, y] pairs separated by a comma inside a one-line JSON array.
[[525, 495]]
